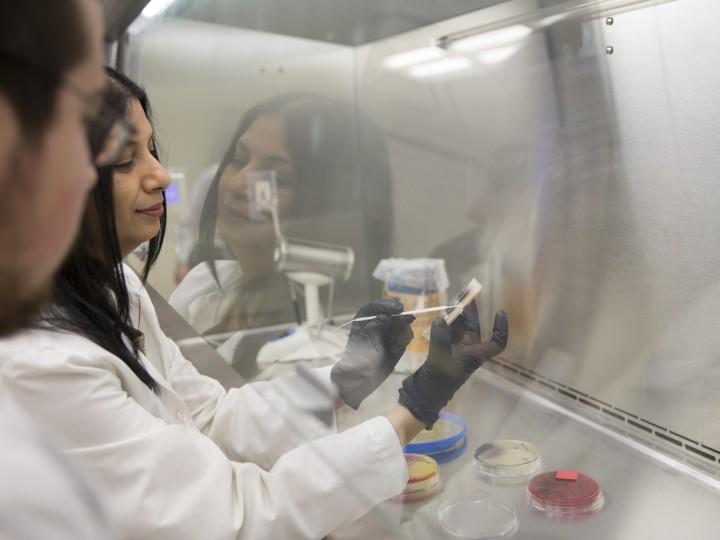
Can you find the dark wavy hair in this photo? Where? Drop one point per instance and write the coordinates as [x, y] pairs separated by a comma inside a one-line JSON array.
[[39, 43], [90, 295]]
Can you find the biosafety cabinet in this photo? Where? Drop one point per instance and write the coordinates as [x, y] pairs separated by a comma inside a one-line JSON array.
[[564, 153]]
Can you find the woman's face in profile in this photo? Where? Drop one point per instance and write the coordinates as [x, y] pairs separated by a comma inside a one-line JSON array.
[[263, 147], [138, 184]]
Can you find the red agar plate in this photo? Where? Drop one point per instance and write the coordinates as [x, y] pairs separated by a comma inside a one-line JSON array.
[[557, 493]]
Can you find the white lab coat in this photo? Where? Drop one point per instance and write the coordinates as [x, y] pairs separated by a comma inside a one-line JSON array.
[[200, 300], [197, 462], [41, 494]]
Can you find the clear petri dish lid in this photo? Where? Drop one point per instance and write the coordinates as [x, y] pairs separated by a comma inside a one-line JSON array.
[[475, 518], [507, 458]]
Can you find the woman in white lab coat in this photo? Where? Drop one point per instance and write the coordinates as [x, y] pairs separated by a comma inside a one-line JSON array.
[[173, 454]]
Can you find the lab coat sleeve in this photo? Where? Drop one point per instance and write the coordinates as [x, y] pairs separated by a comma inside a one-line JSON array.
[[257, 422], [165, 480]]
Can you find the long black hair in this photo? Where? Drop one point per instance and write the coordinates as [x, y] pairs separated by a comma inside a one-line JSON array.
[[90, 295]]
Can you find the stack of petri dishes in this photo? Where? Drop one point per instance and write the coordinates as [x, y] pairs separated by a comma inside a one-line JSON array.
[[510, 460], [444, 442], [479, 517], [424, 478], [565, 494]]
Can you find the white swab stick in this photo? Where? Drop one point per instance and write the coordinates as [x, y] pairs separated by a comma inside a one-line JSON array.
[[411, 312]]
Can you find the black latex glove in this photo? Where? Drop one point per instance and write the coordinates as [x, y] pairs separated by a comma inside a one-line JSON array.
[[373, 349], [455, 353]]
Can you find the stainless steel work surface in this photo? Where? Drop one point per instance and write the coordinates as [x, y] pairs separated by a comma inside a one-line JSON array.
[[647, 496]]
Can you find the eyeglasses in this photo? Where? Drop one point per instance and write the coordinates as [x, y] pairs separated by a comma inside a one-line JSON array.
[[107, 128]]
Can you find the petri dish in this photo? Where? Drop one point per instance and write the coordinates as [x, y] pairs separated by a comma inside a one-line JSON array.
[[416, 496], [423, 478], [423, 485], [447, 432], [451, 453], [565, 494], [420, 467], [507, 459], [478, 517]]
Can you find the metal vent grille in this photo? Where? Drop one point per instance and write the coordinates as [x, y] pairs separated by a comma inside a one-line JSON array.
[[694, 452]]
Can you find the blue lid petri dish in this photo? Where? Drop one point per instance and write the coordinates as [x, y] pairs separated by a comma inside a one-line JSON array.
[[446, 434], [448, 455]]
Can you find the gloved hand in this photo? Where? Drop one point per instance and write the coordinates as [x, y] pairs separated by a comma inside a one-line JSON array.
[[373, 349], [455, 353]]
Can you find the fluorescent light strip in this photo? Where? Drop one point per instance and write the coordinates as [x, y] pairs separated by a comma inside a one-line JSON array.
[[570, 8], [410, 58], [440, 67], [550, 20], [492, 39], [498, 54], [156, 7]]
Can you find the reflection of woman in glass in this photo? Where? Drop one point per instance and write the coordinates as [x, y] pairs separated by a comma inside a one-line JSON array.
[[324, 193]]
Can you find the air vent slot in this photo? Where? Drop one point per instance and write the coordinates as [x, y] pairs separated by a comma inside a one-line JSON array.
[[625, 421]]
